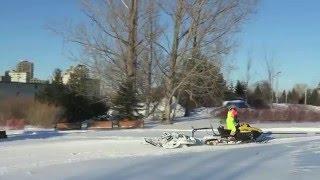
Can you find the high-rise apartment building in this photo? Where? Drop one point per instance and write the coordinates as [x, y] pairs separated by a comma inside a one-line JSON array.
[[25, 67]]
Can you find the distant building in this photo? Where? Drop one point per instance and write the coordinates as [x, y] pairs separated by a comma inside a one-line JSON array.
[[6, 77], [3, 79], [23, 90], [38, 81], [23, 73], [22, 77], [26, 67], [66, 77]]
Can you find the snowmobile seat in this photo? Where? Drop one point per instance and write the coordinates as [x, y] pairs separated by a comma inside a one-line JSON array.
[[239, 135], [224, 133]]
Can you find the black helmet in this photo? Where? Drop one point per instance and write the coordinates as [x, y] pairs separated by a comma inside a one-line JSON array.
[[232, 107]]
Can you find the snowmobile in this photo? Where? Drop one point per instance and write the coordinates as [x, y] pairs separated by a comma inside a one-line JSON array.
[[244, 134]]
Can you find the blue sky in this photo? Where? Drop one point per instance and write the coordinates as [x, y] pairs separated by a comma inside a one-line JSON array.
[[287, 30], [23, 34]]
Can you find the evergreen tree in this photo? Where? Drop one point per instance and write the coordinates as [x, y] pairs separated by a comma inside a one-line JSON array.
[[77, 81], [53, 93], [76, 107], [293, 97], [289, 97], [57, 77], [256, 99], [257, 91], [205, 87], [282, 98], [229, 93], [314, 99], [266, 92], [240, 89], [79, 107], [274, 97], [126, 102]]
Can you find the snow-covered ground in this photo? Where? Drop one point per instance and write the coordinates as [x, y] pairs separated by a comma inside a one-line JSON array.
[[123, 154]]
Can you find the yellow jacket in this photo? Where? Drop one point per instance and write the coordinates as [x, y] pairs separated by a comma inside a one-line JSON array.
[[231, 120]]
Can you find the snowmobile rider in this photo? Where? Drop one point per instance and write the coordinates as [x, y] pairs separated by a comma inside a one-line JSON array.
[[231, 120]]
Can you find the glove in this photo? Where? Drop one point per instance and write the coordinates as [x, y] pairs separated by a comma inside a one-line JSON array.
[[236, 120]]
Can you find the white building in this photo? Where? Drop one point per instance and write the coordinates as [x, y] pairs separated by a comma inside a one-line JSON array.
[[66, 77], [37, 81], [22, 77]]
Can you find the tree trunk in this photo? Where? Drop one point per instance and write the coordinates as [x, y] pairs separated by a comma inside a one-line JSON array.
[[132, 39], [173, 59], [168, 110], [151, 39], [187, 107], [194, 53]]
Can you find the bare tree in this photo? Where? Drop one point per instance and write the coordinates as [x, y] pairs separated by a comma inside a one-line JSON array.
[[301, 89], [109, 42], [270, 72], [272, 75], [248, 69], [132, 39], [151, 33], [202, 30], [126, 38]]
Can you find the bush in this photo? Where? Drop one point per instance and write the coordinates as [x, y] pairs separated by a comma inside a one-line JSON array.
[[29, 111], [13, 108], [43, 115], [76, 107]]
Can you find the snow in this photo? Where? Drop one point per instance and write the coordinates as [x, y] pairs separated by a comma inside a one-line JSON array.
[[36, 153]]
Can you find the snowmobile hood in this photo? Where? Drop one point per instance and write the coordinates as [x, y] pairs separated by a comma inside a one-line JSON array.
[[245, 127]]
